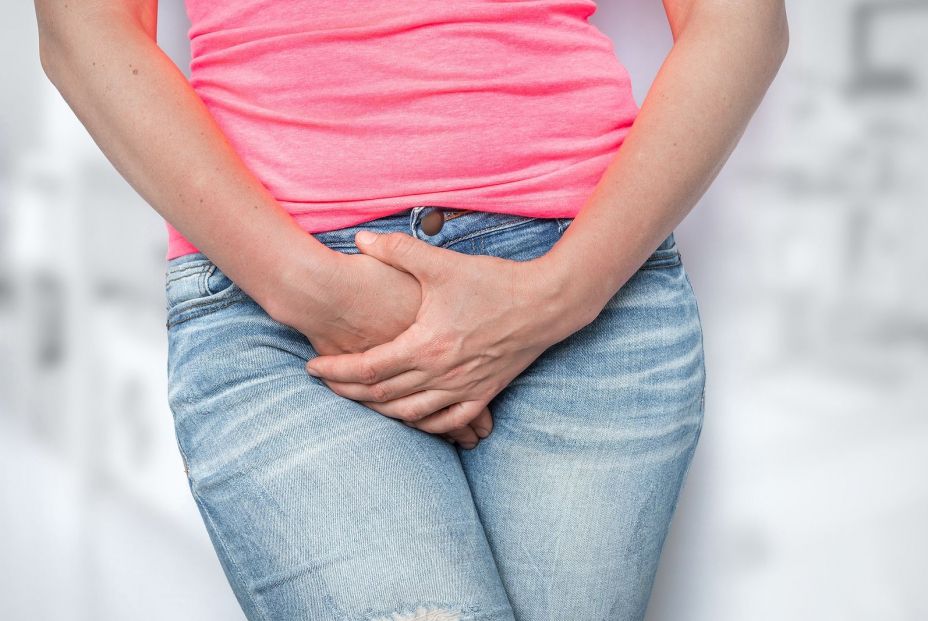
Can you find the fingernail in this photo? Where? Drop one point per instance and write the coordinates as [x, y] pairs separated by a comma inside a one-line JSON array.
[[482, 431], [312, 371], [366, 237]]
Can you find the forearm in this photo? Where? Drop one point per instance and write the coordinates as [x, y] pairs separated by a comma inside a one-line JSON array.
[[724, 57], [146, 118]]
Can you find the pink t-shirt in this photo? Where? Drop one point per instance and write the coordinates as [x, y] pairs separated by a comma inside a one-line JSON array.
[[351, 111]]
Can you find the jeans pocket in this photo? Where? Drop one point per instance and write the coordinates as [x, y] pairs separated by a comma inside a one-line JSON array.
[[666, 255], [194, 285], [216, 281]]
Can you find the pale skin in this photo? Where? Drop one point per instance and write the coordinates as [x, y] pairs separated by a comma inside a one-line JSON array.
[[393, 330]]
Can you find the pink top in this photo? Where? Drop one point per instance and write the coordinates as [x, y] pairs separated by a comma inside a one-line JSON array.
[[351, 114]]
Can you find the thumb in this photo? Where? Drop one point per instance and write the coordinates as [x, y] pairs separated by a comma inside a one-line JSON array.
[[400, 250]]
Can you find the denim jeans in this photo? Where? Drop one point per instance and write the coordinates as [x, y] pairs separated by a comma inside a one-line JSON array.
[[321, 508]]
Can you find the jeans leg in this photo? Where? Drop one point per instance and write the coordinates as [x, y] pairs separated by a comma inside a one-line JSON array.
[[319, 508], [578, 481]]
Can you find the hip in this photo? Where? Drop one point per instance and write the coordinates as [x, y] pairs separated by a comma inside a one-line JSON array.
[[649, 331]]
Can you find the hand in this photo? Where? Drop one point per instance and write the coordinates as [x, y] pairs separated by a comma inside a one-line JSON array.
[[367, 303], [482, 321]]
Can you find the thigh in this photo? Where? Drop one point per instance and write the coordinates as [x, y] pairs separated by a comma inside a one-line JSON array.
[[577, 483], [318, 507]]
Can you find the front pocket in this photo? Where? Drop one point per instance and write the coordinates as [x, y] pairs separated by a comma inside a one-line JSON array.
[[663, 258], [184, 282], [197, 288], [216, 281], [667, 254]]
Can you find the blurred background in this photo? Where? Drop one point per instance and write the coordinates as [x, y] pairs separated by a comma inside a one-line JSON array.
[[807, 497]]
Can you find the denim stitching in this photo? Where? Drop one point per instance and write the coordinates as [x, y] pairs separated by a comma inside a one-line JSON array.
[[193, 263], [209, 274], [343, 244], [201, 281], [184, 271], [702, 343], [208, 305], [492, 229], [186, 267], [660, 261]]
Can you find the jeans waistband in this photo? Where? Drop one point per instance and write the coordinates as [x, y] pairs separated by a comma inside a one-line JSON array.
[[457, 224]]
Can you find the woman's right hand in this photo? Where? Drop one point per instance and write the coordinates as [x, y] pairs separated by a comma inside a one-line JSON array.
[[364, 302]]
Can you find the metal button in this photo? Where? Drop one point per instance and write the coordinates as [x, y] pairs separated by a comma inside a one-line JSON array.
[[432, 222]]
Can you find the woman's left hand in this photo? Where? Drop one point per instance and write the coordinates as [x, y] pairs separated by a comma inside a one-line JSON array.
[[481, 322]]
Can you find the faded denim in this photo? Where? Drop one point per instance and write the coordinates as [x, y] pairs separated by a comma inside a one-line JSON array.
[[321, 508]]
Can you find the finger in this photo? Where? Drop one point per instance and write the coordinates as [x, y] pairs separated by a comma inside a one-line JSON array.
[[483, 424], [401, 250], [444, 436], [416, 406], [466, 437], [368, 367], [470, 436], [398, 386], [452, 418]]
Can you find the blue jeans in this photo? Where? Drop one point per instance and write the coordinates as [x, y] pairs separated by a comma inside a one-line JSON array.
[[321, 508]]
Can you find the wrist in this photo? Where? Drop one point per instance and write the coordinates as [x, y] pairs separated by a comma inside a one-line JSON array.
[[302, 283], [571, 296]]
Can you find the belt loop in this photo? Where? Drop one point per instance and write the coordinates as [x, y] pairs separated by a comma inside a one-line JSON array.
[[414, 216]]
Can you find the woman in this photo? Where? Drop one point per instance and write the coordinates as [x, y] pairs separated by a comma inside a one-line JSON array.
[[524, 312]]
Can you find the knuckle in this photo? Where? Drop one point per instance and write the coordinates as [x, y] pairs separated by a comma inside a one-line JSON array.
[[368, 373], [407, 413], [379, 392], [457, 424], [437, 347], [418, 414]]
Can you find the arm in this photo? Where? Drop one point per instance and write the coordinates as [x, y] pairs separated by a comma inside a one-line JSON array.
[[724, 57], [139, 108], [146, 118]]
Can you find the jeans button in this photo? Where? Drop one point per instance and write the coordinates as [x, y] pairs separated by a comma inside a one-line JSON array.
[[432, 222]]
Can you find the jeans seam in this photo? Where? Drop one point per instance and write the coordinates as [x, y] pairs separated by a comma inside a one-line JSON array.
[[656, 262], [201, 281], [225, 548], [188, 313], [184, 272], [702, 340]]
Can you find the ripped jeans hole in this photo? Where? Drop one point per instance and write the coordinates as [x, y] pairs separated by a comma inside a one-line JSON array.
[[423, 614]]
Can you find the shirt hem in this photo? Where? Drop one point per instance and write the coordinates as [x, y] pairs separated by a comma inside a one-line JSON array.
[[566, 205]]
